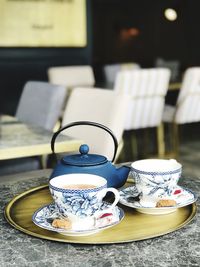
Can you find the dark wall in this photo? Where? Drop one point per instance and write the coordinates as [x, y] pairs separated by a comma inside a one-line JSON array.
[[111, 16], [158, 37], [18, 65]]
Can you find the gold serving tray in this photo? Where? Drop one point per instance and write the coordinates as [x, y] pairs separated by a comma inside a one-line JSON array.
[[135, 226]]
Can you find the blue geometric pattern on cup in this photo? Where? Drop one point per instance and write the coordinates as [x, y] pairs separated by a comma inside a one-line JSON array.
[[89, 190], [156, 173]]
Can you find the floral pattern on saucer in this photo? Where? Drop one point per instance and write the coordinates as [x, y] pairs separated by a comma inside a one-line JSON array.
[[130, 198], [44, 216]]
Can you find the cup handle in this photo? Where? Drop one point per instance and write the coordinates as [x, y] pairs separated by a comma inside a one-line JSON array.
[[102, 194], [114, 191]]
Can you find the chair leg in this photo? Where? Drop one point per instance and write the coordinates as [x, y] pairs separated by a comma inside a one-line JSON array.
[[160, 140], [119, 151], [134, 145], [43, 161], [176, 140], [173, 140], [145, 142]]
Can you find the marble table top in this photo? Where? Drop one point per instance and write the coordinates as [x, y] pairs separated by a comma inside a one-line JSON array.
[[179, 248], [22, 140]]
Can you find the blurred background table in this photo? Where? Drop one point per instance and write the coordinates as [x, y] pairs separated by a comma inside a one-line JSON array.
[[22, 140], [179, 248]]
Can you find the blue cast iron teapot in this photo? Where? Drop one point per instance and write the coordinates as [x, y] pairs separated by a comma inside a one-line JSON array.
[[90, 163]]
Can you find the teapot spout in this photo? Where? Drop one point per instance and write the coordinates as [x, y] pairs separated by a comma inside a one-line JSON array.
[[122, 173]]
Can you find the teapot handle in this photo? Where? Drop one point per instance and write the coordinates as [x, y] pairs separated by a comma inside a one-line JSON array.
[[90, 123]]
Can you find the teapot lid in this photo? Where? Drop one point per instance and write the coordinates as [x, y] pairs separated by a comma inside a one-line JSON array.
[[84, 159]]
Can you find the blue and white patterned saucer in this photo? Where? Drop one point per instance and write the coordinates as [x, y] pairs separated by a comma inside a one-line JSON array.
[[130, 197], [44, 216]]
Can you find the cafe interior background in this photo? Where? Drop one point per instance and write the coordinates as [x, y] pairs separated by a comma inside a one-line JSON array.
[[114, 31], [38, 34]]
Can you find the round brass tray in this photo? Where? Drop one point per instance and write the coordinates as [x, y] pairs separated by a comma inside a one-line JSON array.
[[135, 226]]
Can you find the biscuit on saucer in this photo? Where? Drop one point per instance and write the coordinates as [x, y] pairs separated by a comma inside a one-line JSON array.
[[62, 223], [166, 203]]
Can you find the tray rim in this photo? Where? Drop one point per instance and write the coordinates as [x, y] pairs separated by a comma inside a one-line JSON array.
[[64, 239]]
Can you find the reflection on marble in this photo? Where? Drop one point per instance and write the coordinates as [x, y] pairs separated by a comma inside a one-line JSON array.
[[24, 140], [16, 135], [180, 248]]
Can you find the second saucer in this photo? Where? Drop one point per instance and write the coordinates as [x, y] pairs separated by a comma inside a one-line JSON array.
[[130, 197]]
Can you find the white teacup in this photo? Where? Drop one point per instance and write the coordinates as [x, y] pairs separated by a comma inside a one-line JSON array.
[[79, 197], [155, 179]]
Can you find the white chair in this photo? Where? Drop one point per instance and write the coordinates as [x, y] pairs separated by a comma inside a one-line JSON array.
[[187, 109], [110, 71], [146, 89], [71, 76], [98, 105], [40, 104]]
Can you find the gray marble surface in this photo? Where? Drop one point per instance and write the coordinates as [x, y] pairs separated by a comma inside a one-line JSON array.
[[179, 248], [20, 135]]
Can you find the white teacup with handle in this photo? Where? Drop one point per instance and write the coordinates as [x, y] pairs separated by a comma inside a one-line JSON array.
[[79, 197], [155, 179]]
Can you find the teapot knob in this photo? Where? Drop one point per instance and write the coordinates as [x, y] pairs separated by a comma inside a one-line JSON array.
[[84, 149]]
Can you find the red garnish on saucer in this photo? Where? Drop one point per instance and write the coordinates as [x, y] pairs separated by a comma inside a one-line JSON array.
[[105, 215], [177, 191]]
